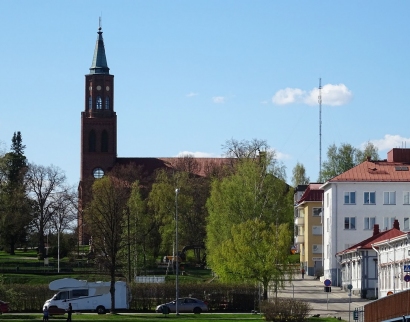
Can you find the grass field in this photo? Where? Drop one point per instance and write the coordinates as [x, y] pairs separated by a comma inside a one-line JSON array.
[[149, 317]]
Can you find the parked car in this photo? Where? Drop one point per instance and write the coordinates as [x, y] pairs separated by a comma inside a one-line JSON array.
[[185, 305], [4, 307]]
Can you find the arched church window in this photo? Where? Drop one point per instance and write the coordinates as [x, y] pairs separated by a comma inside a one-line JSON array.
[[91, 141], [90, 103], [99, 103], [104, 141], [107, 103]]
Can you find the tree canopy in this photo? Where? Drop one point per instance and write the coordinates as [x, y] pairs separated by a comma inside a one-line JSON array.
[[257, 252], [345, 157], [299, 175], [107, 216], [252, 192]]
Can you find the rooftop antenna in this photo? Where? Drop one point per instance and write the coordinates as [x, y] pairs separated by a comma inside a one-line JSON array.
[[320, 128]]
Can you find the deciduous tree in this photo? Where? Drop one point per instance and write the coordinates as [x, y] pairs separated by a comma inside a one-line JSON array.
[[257, 252], [46, 185], [107, 216], [299, 175], [345, 157], [252, 192]]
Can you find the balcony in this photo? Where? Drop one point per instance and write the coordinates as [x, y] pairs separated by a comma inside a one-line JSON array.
[[300, 239], [299, 221]]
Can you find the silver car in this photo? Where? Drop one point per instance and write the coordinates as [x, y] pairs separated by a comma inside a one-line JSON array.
[[185, 305]]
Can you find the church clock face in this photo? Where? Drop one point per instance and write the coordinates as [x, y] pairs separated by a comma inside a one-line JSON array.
[[98, 173]]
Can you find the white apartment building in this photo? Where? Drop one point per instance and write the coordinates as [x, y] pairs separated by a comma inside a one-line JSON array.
[[373, 192]]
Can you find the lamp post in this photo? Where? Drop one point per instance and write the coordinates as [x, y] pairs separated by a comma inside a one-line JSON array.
[[176, 250]]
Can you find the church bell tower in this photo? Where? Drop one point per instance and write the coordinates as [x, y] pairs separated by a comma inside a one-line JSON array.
[[98, 127]]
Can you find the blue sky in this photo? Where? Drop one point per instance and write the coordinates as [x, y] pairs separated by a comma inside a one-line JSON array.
[[190, 75]]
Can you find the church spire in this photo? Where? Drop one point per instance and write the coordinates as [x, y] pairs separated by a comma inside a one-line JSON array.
[[99, 64]]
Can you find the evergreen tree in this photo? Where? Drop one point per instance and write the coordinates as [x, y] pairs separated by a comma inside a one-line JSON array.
[[15, 212]]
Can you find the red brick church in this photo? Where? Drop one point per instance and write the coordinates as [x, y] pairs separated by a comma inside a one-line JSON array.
[[99, 134]]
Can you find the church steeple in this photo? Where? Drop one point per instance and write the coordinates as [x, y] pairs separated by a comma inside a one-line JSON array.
[[99, 64]]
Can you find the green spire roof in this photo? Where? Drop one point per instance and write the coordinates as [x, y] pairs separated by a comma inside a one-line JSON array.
[[99, 64]]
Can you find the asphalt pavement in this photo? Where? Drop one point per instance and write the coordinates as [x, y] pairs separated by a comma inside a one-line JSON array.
[[336, 303]]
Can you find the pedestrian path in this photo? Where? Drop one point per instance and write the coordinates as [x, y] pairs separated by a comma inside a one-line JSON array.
[[336, 303]]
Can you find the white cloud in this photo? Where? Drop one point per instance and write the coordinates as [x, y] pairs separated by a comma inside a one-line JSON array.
[[288, 96], [192, 94], [282, 156], [390, 141], [196, 154], [332, 95], [218, 99]]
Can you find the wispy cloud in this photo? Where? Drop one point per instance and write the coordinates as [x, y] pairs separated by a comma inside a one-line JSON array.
[[192, 94], [196, 154], [332, 95], [390, 141], [288, 96], [282, 156], [218, 99]]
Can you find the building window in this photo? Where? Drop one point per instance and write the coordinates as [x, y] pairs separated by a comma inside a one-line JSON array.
[[389, 198], [98, 173], [316, 230], [406, 224], [317, 211], [388, 222], [350, 222], [90, 103], [406, 197], [99, 103], [317, 249], [91, 141], [350, 197], [104, 141], [107, 103], [370, 198], [369, 222]]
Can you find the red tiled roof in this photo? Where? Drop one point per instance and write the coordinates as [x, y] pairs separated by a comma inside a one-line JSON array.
[[367, 243], [376, 171], [312, 193], [198, 166]]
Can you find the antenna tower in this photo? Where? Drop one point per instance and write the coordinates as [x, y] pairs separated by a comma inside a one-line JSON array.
[[320, 129]]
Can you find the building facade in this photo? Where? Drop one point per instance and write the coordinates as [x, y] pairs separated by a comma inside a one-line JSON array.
[[360, 265], [308, 228], [373, 192]]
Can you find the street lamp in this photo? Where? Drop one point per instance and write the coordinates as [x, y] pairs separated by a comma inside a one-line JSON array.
[[176, 248]]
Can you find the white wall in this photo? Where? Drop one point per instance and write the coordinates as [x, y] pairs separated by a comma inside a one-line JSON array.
[[337, 238]]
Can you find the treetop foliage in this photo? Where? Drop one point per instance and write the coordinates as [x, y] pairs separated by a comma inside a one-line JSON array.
[[343, 158]]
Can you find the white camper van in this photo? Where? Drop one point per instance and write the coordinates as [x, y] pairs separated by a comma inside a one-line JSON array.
[[86, 296]]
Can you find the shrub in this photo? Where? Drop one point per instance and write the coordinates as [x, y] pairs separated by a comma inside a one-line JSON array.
[[285, 310]]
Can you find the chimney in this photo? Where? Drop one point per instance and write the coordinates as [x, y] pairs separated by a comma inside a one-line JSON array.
[[376, 229], [368, 158], [396, 224]]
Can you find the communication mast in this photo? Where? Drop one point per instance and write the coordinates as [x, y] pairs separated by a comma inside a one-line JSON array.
[[320, 129]]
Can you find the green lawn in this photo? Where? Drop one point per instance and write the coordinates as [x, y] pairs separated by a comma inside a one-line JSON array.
[[149, 317]]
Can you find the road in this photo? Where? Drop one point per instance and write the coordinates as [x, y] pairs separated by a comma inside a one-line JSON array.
[[333, 304]]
